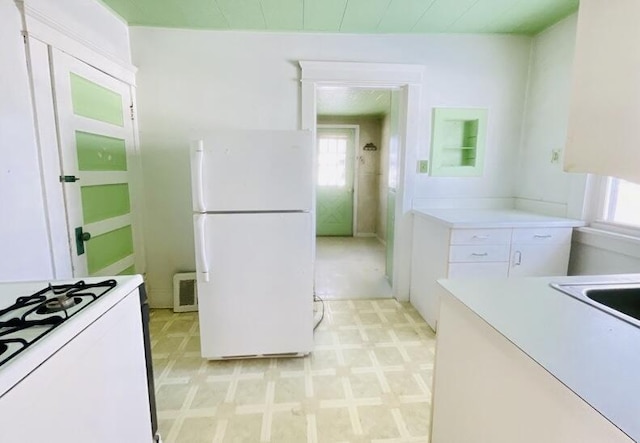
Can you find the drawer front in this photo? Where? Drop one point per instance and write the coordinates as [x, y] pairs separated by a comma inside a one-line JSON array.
[[480, 236], [541, 236], [479, 253], [478, 270]]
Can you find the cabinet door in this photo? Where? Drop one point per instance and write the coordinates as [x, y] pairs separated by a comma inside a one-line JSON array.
[[602, 133], [530, 260]]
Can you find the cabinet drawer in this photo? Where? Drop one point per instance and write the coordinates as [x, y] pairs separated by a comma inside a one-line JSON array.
[[479, 253], [478, 270], [533, 236], [480, 236]]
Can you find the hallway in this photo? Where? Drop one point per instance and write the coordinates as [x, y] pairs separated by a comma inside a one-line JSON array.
[[350, 268]]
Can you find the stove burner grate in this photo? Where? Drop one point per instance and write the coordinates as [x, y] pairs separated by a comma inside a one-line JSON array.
[[44, 310]]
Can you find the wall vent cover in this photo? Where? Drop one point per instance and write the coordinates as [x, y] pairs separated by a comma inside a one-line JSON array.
[[185, 292]]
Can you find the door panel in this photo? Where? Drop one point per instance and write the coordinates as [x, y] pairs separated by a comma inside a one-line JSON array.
[[104, 201], [96, 140], [96, 102], [334, 195], [108, 248], [100, 153]]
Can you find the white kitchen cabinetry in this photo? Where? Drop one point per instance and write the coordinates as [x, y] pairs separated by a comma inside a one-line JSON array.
[[446, 246], [539, 252], [487, 390], [602, 135]]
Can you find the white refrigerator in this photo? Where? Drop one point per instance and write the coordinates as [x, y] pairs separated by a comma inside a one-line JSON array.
[[252, 197]]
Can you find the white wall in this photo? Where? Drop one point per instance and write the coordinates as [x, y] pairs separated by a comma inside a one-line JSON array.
[[190, 81], [541, 182], [23, 233], [542, 186]]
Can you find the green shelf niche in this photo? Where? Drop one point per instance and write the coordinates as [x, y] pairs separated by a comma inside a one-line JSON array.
[[457, 142]]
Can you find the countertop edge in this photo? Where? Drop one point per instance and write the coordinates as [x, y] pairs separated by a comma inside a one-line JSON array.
[[470, 223]]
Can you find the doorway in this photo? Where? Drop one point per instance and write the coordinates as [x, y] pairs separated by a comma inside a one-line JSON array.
[[353, 139], [407, 80]]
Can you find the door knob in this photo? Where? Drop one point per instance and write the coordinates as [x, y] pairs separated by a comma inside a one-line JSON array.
[[81, 237]]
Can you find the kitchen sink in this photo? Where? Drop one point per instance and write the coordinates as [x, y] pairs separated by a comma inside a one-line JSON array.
[[621, 300]]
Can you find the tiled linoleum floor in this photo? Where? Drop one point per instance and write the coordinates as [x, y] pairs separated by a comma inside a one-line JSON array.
[[350, 268], [368, 380]]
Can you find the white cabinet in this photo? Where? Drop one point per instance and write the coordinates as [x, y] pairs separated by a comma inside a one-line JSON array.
[[441, 251], [539, 252], [602, 135]]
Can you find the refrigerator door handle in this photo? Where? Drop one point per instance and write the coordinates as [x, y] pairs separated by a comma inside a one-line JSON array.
[[199, 187], [201, 241]]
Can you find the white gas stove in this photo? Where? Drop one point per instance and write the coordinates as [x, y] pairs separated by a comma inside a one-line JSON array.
[[80, 346]]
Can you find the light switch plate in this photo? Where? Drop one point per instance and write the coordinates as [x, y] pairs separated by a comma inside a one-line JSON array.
[[423, 166]]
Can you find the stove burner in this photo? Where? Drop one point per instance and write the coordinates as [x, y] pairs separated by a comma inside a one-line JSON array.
[[59, 303]]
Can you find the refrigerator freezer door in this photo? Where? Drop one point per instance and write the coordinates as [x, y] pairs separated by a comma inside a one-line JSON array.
[[259, 297], [252, 171]]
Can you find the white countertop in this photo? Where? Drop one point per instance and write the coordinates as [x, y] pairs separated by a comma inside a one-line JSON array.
[[494, 218], [593, 353]]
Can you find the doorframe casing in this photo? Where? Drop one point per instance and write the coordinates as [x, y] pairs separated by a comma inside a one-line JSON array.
[[408, 79], [356, 143]]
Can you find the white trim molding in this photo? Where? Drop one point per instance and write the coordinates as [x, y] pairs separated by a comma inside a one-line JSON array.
[[41, 26], [362, 74]]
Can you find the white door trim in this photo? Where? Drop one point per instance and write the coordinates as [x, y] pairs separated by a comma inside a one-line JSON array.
[[407, 78], [356, 143], [46, 132], [53, 31]]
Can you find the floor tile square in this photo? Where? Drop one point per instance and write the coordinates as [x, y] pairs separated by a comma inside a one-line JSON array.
[[197, 430]]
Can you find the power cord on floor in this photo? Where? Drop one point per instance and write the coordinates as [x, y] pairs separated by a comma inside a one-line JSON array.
[[316, 299]]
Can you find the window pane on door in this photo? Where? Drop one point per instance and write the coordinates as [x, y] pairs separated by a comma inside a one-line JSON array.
[[332, 161]]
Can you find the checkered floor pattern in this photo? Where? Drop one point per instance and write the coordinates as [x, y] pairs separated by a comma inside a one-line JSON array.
[[368, 380]]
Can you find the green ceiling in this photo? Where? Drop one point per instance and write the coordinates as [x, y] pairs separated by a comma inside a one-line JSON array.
[[349, 16]]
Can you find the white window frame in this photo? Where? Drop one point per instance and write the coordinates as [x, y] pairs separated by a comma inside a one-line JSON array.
[[604, 186]]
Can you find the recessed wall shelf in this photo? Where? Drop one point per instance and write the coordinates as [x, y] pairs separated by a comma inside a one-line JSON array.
[[457, 142]]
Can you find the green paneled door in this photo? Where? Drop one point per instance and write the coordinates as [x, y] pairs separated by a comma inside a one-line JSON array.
[[334, 192], [95, 138]]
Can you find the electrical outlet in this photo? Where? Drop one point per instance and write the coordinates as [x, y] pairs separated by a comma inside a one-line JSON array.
[[555, 156], [423, 166]]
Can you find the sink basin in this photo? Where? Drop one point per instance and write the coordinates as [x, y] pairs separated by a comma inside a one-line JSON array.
[[621, 300]]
